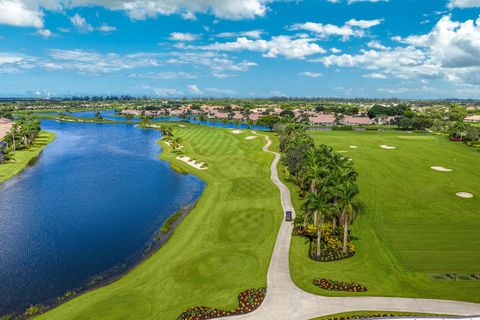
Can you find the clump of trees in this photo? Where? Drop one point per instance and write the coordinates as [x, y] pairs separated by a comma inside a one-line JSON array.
[[328, 185], [22, 134]]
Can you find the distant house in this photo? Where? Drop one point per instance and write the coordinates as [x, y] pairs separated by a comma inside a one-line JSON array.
[[357, 121], [322, 120], [473, 119], [253, 116], [237, 116]]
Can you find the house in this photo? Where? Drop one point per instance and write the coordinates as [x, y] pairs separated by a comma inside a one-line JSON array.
[[5, 126], [357, 121], [253, 116], [473, 119], [322, 120]]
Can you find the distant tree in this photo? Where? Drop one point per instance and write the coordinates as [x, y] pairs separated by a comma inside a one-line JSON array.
[[287, 114], [269, 121]]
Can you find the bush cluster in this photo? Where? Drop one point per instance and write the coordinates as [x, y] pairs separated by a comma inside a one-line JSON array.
[[249, 300], [335, 285]]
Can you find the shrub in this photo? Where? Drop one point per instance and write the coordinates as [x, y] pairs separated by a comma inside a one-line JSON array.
[[335, 285], [249, 300]]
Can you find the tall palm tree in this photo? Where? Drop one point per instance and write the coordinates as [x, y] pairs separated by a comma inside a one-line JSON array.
[[320, 206], [350, 209], [175, 143]]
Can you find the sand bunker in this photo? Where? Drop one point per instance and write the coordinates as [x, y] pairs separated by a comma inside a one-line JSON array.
[[196, 164], [250, 137], [442, 169], [168, 144], [182, 125], [387, 147], [353, 147], [236, 131], [466, 195]]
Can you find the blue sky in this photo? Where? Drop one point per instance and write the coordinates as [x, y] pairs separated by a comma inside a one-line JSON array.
[[248, 48]]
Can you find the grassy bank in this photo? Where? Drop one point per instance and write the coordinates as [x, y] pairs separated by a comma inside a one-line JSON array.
[[21, 158], [415, 225], [221, 248]]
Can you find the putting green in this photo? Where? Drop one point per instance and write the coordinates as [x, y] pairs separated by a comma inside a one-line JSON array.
[[415, 224], [221, 248]]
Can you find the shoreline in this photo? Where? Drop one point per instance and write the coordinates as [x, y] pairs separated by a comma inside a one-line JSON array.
[[23, 158], [156, 241]]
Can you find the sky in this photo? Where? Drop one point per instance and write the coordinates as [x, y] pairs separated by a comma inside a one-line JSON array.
[[417, 49]]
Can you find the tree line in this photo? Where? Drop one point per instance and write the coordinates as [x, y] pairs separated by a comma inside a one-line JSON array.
[[22, 134], [328, 186]]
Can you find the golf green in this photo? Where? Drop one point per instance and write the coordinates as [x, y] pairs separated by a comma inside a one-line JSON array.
[[221, 248], [415, 225]]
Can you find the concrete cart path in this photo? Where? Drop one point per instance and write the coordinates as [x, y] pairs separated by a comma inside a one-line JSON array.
[[284, 300]]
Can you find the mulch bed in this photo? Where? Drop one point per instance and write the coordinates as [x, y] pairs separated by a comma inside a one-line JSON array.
[[249, 300]]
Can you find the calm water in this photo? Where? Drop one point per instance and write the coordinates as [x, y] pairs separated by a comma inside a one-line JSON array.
[[93, 200], [110, 115]]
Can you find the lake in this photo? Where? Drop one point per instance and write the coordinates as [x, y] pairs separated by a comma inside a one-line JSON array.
[[92, 201]]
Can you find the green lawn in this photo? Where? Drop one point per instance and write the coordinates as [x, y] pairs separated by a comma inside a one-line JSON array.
[[22, 157], [415, 224], [221, 248], [373, 314]]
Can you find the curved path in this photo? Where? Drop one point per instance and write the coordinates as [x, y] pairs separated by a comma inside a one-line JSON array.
[[285, 300]]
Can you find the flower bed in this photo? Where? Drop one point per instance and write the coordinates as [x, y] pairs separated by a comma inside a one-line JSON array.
[[249, 300], [334, 285]]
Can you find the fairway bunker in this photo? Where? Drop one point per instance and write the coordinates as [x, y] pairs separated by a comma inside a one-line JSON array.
[[353, 147], [466, 195], [383, 146], [250, 137], [191, 162], [237, 131], [182, 125], [441, 169]]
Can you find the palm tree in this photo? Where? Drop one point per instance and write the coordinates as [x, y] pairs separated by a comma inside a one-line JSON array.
[[166, 130], [319, 205], [176, 143], [350, 208]]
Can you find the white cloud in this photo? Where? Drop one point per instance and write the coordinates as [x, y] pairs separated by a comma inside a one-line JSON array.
[[19, 13], [277, 46], [44, 33], [464, 4], [451, 51], [311, 74], [375, 76], [194, 89], [106, 28], [30, 12], [81, 24], [354, 1], [335, 50], [254, 34], [163, 92], [167, 75], [352, 28], [179, 36], [376, 45]]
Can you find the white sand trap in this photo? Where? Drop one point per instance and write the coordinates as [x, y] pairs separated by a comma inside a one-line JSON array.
[[190, 162], [466, 195], [236, 131], [168, 144], [387, 147], [442, 169], [250, 137], [182, 125], [353, 147]]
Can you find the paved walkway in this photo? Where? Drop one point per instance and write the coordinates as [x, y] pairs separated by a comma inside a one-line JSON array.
[[285, 300]]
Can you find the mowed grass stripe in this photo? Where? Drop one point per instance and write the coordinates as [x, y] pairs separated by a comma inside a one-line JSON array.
[[221, 248]]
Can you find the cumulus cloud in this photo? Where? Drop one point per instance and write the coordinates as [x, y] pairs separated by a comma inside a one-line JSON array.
[[106, 28], [286, 46], [194, 89], [44, 33], [352, 28], [179, 36], [254, 34], [451, 51], [20, 13], [29, 13], [167, 75], [163, 92], [81, 24], [464, 4], [311, 74]]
